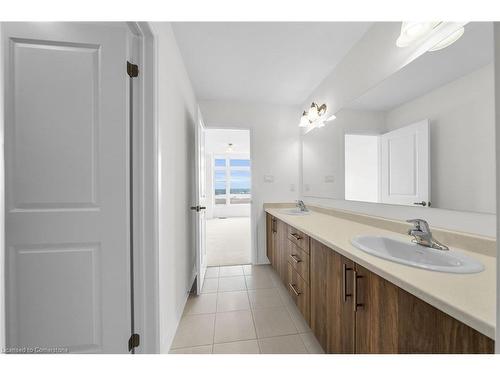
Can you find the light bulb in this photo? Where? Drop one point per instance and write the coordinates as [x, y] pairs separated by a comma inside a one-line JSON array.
[[313, 115], [304, 121]]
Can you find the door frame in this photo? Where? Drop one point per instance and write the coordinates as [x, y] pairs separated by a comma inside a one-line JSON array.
[[146, 273], [254, 211], [145, 179]]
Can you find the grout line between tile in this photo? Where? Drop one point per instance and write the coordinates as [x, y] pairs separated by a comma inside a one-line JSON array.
[[253, 321], [193, 346], [215, 319]]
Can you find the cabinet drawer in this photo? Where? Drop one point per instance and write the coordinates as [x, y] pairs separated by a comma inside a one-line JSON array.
[[299, 260], [299, 238], [299, 290]]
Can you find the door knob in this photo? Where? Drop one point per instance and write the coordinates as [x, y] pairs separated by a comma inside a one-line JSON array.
[[198, 208]]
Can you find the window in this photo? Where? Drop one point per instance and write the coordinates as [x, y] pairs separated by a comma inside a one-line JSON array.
[[232, 180]]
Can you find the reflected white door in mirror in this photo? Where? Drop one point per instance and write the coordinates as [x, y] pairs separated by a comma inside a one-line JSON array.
[[389, 168]]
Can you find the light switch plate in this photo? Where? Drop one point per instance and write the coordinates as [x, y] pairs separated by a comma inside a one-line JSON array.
[[268, 178]]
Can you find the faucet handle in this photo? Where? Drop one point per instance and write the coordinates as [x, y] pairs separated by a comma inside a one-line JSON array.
[[420, 224]]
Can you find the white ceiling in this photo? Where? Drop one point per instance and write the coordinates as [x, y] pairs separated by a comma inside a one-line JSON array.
[[274, 62], [432, 70], [217, 140]]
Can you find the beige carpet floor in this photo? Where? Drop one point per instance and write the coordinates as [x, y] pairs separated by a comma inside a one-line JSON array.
[[228, 241]]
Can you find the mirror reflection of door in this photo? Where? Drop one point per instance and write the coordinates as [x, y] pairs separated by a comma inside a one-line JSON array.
[[389, 168]]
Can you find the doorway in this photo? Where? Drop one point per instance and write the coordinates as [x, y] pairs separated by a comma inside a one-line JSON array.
[[229, 197]]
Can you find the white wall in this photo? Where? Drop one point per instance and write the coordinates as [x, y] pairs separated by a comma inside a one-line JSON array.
[[462, 121], [177, 111], [373, 59], [274, 140]]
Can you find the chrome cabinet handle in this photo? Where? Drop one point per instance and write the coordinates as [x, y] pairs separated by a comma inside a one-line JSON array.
[[273, 228], [356, 304], [344, 283], [295, 258], [423, 203], [296, 236], [295, 291]]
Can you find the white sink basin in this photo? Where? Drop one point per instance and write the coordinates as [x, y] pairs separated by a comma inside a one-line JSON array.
[[417, 256], [295, 211]]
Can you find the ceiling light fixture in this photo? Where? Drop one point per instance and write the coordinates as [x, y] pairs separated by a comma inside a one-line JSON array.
[[229, 148], [415, 32], [449, 40], [315, 117]]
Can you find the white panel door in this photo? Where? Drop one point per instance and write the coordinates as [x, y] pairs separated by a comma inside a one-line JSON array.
[[405, 171], [201, 204], [66, 206]]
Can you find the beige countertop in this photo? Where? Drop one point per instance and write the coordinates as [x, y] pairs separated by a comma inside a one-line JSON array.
[[470, 298]]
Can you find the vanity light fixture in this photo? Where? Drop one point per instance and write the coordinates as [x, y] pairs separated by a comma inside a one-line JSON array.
[[314, 117], [414, 32]]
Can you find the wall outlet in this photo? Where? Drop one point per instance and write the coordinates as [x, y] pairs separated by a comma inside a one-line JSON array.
[[329, 179], [292, 187]]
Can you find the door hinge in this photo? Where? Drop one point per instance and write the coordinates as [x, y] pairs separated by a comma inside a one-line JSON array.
[[132, 70], [133, 341]]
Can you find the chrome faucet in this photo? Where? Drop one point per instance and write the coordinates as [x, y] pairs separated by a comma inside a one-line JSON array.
[[302, 207], [423, 235]]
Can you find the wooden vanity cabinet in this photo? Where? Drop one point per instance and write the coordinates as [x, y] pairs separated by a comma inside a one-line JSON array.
[[352, 310]]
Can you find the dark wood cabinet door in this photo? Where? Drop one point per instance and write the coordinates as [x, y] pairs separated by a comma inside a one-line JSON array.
[[332, 315], [281, 250], [425, 329], [391, 320], [340, 309], [319, 255], [375, 301]]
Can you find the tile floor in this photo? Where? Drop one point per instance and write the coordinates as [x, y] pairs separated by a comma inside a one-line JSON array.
[[243, 310]]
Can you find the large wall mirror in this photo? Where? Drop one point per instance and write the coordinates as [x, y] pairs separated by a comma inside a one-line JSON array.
[[424, 136]]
